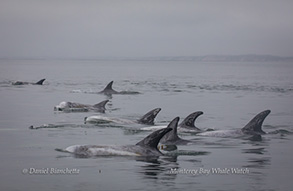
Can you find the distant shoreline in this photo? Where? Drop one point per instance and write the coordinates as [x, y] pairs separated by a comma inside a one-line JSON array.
[[207, 58]]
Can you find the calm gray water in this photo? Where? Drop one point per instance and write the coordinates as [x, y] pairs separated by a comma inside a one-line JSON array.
[[229, 94]]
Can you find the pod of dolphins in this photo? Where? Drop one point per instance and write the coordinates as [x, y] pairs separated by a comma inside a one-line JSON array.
[[165, 135]]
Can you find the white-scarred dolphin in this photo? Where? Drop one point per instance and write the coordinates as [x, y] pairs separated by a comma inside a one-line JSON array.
[[146, 147], [254, 128], [40, 82], [108, 90], [78, 107], [147, 119]]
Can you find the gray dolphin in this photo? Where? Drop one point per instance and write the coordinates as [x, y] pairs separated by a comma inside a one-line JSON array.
[[71, 107], [146, 147], [108, 90], [254, 127], [40, 82], [171, 138], [147, 119]]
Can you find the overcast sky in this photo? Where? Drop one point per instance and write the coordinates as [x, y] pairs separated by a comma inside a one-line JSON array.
[[142, 28]]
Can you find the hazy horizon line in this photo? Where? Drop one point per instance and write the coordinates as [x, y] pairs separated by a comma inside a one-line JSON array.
[[209, 57]]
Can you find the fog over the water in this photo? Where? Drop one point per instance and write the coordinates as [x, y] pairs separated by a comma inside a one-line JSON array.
[[92, 29]]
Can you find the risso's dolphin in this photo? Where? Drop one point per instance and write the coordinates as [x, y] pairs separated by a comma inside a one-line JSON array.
[[147, 119], [187, 125], [254, 128], [172, 138], [78, 107], [26, 83], [108, 90], [147, 147]]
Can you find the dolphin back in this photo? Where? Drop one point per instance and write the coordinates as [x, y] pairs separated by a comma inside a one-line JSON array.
[[40, 82]]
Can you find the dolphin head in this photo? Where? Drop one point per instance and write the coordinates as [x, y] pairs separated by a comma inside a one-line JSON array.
[[62, 106], [18, 83]]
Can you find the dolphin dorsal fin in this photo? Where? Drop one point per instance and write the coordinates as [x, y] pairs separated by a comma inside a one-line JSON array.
[[149, 117], [108, 90], [101, 104], [109, 86], [189, 121], [40, 82], [255, 125], [154, 138], [172, 135]]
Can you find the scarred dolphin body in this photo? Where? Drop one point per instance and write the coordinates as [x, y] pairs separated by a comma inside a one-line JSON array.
[[253, 128], [78, 107], [40, 82], [147, 119], [252, 131], [146, 147]]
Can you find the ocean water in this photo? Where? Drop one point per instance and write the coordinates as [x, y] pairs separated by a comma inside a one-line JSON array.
[[229, 94]]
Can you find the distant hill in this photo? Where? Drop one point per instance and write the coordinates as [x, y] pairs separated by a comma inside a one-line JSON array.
[[222, 58]]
